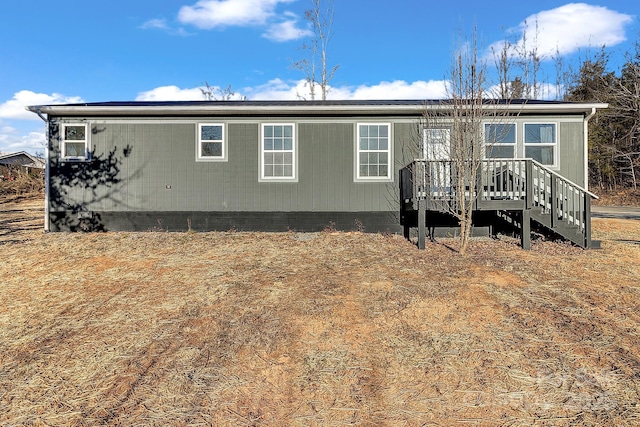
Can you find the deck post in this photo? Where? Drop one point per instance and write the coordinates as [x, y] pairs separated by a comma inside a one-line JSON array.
[[529, 184], [587, 221], [525, 230], [479, 186], [422, 223], [554, 200]]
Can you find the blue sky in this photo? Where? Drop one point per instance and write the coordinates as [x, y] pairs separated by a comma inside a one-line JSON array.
[[90, 51]]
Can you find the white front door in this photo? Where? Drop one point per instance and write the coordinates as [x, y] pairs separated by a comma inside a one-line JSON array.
[[436, 146]]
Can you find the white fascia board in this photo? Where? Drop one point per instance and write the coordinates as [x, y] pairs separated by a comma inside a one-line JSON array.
[[568, 108], [186, 110], [145, 110]]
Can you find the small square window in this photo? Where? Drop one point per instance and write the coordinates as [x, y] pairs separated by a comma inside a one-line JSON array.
[[210, 144], [75, 142]]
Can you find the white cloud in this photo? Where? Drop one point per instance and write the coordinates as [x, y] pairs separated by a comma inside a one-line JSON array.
[[159, 24], [174, 93], [15, 107], [286, 30], [278, 89], [171, 93], [208, 14], [399, 89], [11, 140], [569, 28]]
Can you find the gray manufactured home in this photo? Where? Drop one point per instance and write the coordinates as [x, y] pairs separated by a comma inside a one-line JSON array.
[[291, 165]]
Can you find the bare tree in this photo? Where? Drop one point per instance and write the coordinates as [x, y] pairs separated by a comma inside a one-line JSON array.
[[503, 62], [466, 93], [524, 64], [523, 60], [563, 75], [625, 101], [315, 66], [521, 57], [536, 63], [215, 93], [455, 133]]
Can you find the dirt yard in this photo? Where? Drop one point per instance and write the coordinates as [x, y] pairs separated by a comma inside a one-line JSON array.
[[324, 329]]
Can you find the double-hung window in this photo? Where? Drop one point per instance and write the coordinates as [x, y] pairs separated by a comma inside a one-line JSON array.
[[210, 144], [278, 152], [75, 142], [540, 142], [373, 154], [500, 140]]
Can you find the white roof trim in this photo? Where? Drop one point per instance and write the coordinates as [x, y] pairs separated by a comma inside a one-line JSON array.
[[240, 109]]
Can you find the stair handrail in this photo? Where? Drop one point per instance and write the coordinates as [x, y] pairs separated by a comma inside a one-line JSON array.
[[565, 179]]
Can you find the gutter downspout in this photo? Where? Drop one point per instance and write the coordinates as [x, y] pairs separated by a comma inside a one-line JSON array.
[[586, 147], [46, 172]]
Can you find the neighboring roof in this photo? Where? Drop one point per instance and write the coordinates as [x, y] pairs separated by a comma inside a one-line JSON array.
[[184, 108], [21, 158]]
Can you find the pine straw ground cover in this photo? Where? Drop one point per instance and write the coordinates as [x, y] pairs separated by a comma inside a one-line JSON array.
[[324, 329]]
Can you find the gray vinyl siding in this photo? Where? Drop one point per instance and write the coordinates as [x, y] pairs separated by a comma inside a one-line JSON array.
[[163, 155], [572, 151]]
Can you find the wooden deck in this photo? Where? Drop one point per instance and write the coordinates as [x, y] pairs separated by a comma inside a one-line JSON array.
[[519, 192]]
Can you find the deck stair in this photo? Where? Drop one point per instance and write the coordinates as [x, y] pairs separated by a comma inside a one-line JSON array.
[[521, 191]]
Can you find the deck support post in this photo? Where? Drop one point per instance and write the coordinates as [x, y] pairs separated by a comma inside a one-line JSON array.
[[528, 167], [422, 223], [554, 201], [587, 221], [525, 230]]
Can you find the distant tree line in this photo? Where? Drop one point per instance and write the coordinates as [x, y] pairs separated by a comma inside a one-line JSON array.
[[614, 133]]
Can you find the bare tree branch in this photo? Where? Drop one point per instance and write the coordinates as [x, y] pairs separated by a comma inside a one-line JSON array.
[[215, 93], [320, 17], [459, 131]]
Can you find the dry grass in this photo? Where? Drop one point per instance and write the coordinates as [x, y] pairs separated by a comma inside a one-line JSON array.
[[18, 183], [620, 197], [325, 329]]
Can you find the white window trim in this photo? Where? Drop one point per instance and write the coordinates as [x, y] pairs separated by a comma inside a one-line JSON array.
[[293, 151], [199, 156], [63, 142], [542, 144], [389, 151], [513, 144]]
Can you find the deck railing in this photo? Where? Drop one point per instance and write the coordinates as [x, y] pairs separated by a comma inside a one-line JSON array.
[[501, 184], [565, 201]]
